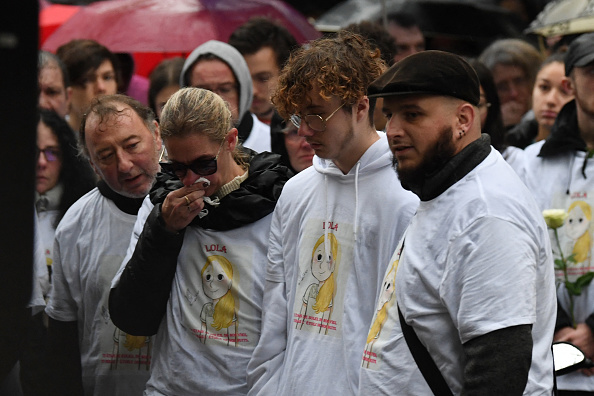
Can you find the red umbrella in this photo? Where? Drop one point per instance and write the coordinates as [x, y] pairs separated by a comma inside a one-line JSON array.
[[52, 16], [172, 26]]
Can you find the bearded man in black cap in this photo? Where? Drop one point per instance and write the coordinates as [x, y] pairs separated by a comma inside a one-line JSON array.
[[474, 289]]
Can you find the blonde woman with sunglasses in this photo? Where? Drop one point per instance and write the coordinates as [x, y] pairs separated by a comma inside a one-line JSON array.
[[212, 204]]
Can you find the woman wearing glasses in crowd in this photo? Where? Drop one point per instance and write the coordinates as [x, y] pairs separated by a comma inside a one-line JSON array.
[[294, 150], [62, 177], [212, 204]]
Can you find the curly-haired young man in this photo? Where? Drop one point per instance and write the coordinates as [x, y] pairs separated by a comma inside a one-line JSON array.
[[329, 238]]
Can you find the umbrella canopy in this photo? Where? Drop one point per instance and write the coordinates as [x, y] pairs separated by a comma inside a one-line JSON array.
[[52, 16], [461, 26], [563, 17], [454, 18], [172, 26]]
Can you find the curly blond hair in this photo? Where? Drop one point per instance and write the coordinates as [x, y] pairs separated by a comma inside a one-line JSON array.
[[343, 65]]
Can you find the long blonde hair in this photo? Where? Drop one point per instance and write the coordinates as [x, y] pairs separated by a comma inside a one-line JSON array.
[[584, 242], [382, 315], [326, 292], [224, 310]]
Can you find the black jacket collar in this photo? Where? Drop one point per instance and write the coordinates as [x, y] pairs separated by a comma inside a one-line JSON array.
[[565, 134], [125, 204]]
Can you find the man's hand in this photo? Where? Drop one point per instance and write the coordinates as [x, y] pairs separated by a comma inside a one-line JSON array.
[[582, 338], [182, 206]]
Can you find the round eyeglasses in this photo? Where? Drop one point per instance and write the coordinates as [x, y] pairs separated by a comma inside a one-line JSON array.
[[313, 121]]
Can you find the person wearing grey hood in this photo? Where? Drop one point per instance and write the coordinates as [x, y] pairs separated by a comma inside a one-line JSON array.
[[220, 68]]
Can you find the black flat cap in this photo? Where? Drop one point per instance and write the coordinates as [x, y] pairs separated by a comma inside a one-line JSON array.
[[429, 72], [580, 52]]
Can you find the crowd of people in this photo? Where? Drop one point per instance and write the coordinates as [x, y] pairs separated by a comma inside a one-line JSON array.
[[359, 215]]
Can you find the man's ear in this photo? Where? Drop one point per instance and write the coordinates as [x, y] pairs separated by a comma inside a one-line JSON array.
[[157, 136], [362, 109], [465, 117], [568, 85]]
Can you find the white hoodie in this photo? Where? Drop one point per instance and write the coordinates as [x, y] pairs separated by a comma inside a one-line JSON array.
[[310, 344]]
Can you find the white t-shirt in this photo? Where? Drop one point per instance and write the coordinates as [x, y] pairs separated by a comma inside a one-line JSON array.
[[558, 183], [220, 274], [514, 156], [259, 138], [474, 260], [40, 275], [45, 238], [91, 241], [331, 237]]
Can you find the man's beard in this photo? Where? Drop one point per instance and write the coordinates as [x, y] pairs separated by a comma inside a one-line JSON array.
[[432, 161]]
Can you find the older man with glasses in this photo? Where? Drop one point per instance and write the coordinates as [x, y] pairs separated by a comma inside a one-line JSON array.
[[334, 228]]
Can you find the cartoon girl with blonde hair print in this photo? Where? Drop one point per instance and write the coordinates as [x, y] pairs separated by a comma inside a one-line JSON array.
[[577, 227], [323, 266], [383, 305], [217, 283]]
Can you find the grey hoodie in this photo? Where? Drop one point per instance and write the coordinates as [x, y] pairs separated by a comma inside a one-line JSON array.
[[234, 60]]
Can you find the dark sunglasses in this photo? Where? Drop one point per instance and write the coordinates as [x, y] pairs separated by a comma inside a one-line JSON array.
[[201, 167]]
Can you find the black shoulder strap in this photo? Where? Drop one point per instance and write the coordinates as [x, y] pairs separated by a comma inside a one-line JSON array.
[[424, 361]]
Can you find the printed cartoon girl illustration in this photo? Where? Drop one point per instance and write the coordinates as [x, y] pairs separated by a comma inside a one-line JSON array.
[[319, 296], [217, 283], [383, 305], [577, 227], [139, 347]]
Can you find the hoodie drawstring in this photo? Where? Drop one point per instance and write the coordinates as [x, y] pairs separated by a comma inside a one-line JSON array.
[[570, 174], [327, 247]]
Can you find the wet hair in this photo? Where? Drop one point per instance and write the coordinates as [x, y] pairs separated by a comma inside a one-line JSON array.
[[199, 111], [343, 65], [106, 107], [260, 32], [513, 52], [76, 175], [377, 37], [494, 123], [81, 56], [47, 59], [164, 75]]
